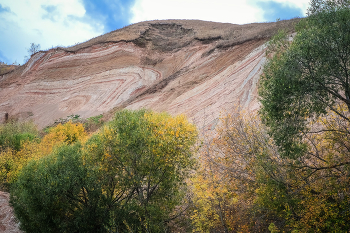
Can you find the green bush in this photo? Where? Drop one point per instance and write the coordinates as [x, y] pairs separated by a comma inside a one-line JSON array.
[[60, 193], [13, 134], [92, 124]]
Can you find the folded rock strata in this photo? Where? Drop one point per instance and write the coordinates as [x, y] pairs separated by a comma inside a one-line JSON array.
[[193, 67]]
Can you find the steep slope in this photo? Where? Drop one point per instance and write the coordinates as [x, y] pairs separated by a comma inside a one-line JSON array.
[[193, 67]]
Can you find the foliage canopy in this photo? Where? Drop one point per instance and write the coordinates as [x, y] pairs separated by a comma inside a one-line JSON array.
[[308, 79], [128, 177]]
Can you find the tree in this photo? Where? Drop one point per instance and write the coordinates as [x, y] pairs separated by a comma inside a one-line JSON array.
[[308, 79], [235, 165], [129, 177], [305, 96], [59, 193], [244, 185], [326, 5], [146, 158], [34, 48]]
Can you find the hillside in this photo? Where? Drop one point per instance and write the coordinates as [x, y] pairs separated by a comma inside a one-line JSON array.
[[6, 68], [181, 66]]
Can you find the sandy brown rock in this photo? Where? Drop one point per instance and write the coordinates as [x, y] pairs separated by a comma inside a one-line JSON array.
[[193, 67]]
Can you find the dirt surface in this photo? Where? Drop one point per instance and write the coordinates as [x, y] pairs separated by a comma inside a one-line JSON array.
[[8, 223]]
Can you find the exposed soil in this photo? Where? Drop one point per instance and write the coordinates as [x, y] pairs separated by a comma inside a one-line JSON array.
[[8, 222]]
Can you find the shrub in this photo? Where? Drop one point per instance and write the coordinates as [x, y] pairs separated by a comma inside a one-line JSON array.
[[12, 160], [59, 193], [14, 134]]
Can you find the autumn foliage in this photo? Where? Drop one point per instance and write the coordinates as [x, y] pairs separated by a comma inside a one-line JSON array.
[[226, 187], [286, 169], [130, 176], [28, 146]]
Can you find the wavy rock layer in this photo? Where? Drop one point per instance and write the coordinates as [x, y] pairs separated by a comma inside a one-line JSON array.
[[192, 67]]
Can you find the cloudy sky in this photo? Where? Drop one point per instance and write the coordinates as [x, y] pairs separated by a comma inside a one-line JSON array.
[[53, 23]]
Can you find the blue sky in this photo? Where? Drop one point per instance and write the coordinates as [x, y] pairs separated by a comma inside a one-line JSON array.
[[53, 23]]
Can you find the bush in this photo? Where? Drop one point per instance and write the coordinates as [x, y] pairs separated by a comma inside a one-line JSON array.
[[59, 193], [12, 160], [68, 133], [92, 124], [14, 134]]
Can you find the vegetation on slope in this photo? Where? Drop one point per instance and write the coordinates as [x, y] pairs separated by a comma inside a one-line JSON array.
[[284, 170]]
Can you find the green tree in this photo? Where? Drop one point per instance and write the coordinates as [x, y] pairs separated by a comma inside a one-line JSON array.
[[129, 177], [326, 5], [305, 96], [308, 79], [60, 193], [147, 156]]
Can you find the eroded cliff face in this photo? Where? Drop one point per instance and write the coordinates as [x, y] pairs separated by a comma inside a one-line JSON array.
[[197, 68]]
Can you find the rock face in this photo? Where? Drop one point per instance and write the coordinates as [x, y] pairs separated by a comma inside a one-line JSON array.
[[193, 67]]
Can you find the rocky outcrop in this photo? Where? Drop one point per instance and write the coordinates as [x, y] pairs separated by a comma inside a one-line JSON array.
[[193, 67]]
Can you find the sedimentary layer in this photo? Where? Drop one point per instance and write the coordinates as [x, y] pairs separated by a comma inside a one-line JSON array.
[[197, 68]]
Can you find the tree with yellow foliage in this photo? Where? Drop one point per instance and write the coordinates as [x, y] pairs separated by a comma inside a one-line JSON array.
[[12, 160], [232, 165], [129, 177]]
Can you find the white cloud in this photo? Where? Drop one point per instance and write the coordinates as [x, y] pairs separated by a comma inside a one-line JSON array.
[[226, 11], [238, 12], [45, 22], [65, 22]]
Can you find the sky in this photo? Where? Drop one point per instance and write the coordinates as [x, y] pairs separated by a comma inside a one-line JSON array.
[[52, 23]]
